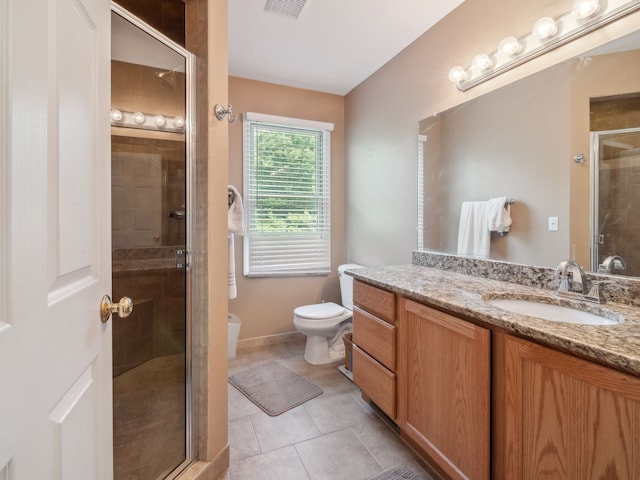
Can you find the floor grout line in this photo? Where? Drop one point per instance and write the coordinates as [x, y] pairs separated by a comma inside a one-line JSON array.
[[368, 450]]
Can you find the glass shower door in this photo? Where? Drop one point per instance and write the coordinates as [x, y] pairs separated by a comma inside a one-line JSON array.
[[150, 240], [615, 224]]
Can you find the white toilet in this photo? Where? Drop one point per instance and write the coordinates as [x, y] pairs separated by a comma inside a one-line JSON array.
[[324, 324]]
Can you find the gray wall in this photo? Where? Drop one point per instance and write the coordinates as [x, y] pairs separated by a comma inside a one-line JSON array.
[[513, 142]]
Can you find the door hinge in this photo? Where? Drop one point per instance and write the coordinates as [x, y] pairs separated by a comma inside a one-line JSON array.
[[183, 258]]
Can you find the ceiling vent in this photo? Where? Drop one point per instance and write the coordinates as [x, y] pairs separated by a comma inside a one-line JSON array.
[[289, 8]]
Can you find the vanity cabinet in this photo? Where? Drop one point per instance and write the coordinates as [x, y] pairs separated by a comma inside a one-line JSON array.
[[374, 345], [482, 403], [444, 386], [559, 416]]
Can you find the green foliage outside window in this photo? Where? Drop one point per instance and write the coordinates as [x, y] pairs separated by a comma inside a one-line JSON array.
[[288, 193]]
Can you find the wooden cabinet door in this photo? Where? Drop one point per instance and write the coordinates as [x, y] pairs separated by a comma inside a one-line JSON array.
[[444, 389], [561, 417]]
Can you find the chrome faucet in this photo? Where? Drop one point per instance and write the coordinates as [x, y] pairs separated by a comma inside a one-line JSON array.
[[575, 283], [611, 263], [572, 277]]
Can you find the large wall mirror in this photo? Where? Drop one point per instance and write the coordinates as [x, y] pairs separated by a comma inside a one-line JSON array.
[[524, 141]]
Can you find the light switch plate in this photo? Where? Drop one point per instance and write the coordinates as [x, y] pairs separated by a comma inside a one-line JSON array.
[[553, 224]]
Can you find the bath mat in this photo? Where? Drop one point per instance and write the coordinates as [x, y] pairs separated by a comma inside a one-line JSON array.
[[274, 388], [402, 472]]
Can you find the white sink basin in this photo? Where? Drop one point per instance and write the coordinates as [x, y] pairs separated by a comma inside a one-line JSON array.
[[538, 308]]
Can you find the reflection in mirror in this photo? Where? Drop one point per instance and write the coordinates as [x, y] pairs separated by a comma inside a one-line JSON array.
[[616, 182], [519, 142], [148, 78]]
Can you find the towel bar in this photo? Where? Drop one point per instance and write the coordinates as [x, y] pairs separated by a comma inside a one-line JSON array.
[[507, 203], [230, 197]]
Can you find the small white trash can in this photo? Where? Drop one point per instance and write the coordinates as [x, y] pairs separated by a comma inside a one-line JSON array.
[[234, 333]]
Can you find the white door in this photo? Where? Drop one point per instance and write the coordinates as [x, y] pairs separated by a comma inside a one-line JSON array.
[[55, 353]]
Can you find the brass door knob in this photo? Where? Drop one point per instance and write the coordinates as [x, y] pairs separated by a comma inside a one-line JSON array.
[[123, 308]]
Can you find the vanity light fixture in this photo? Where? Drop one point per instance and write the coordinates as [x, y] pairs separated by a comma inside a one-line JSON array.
[[139, 118], [586, 9], [116, 115], [482, 62], [547, 34], [457, 74], [545, 28], [510, 46], [158, 122], [178, 122]]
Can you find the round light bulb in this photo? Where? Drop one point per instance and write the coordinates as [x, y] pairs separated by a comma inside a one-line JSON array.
[[138, 117], [178, 122], [116, 115], [545, 28], [159, 120], [586, 8], [482, 62], [457, 74], [510, 46]]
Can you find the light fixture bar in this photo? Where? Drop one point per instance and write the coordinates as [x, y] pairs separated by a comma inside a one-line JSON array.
[[147, 121], [570, 26]]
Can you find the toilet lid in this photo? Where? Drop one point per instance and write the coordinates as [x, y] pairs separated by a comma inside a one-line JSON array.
[[320, 310]]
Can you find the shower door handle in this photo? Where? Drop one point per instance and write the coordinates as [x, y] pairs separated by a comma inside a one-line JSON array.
[[123, 308]]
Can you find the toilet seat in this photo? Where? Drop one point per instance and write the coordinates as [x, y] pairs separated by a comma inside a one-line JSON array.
[[320, 311], [320, 316]]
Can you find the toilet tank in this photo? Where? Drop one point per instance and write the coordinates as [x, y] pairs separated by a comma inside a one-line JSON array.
[[346, 284]]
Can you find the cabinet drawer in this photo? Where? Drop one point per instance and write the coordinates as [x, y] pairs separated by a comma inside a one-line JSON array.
[[374, 300], [375, 337], [375, 381]]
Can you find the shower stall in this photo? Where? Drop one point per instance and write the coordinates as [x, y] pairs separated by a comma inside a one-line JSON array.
[[615, 228], [151, 242]]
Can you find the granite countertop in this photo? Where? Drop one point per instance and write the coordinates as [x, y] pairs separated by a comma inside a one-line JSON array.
[[617, 346]]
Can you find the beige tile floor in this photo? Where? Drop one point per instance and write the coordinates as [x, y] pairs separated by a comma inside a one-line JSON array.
[[331, 437]]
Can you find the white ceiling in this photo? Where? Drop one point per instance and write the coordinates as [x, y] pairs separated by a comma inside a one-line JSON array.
[[332, 47]]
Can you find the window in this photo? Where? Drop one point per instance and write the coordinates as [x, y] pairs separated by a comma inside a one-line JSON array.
[[286, 196]]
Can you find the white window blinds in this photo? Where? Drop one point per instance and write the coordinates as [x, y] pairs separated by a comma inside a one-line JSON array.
[[286, 196]]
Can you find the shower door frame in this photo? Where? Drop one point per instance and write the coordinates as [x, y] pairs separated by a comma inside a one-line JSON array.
[[190, 149], [594, 229]]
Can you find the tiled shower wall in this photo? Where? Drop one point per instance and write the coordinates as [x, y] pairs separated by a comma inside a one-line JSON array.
[[156, 327]]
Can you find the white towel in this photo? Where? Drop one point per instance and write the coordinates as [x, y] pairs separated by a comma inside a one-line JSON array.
[[473, 235], [236, 213], [231, 276], [235, 224], [498, 214]]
